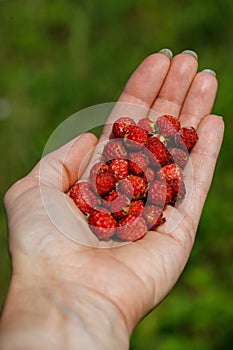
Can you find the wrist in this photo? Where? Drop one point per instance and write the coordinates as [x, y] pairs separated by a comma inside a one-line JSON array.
[[28, 320], [40, 314]]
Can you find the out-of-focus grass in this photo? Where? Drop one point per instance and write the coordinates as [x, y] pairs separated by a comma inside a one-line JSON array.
[[58, 57]]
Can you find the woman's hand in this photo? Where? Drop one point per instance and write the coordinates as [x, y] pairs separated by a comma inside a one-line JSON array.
[[63, 294]]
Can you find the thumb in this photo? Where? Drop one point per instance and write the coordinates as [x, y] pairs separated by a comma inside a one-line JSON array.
[[59, 169]]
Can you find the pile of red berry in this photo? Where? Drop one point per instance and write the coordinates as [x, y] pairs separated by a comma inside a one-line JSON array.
[[139, 174]]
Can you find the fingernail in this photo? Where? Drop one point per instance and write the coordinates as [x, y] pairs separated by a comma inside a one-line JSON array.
[[220, 117], [191, 53], [210, 71], [166, 52]]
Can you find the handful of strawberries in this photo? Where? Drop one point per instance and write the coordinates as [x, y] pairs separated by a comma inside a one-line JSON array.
[[139, 174]]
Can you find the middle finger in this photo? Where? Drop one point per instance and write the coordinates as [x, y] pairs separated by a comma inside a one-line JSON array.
[[177, 83]]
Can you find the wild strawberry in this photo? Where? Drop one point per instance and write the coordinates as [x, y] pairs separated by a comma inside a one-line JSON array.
[[83, 197], [178, 191], [104, 183], [119, 207], [157, 193], [153, 216], [170, 172], [131, 228], [158, 151], [137, 167], [179, 156], [122, 126], [138, 163], [136, 137], [119, 167], [170, 193], [136, 207], [103, 224], [133, 187], [147, 124], [114, 149], [97, 168], [109, 198], [187, 137], [149, 175], [167, 125], [75, 189]]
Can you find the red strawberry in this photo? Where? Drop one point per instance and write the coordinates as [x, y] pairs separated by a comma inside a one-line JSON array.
[[136, 137], [179, 156], [114, 149], [189, 136], [147, 124], [119, 207], [109, 198], [186, 138], [122, 126], [133, 187], [97, 168], [170, 193], [103, 224], [157, 193], [119, 167], [75, 189], [158, 151], [178, 191], [131, 228], [104, 183], [153, 216], [170, 172], [167, 125], [138, 163], [136, 207], [83, 197], [149, 175]]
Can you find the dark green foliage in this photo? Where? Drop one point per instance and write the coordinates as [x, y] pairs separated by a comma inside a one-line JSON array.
[[60, 56]]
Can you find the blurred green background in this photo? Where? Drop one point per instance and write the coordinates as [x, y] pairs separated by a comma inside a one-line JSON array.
[[59, 56]]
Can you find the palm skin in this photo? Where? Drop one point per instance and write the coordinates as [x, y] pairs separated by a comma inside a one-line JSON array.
[[133, 278]]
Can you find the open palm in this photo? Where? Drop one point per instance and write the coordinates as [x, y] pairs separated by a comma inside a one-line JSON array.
[[134, 277]]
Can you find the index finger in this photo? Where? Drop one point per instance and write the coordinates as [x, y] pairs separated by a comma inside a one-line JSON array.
[[140, 91]]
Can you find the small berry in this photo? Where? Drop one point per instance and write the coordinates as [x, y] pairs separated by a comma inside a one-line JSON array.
[[131, 228], [157, 193], [120, 206], [187, 137], [167, 125], [97, 168], [136, 207], [119, 167], [170, 193], [133, 187], [136, 137], [157, 150], [122, 126], [114, 149], [170, 172], [149, 175], [153, 216], [103, 224], [178, 156], [104, 183], [138, 163], [178, 191], [83, 197], [109, 198], [147, 124]]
